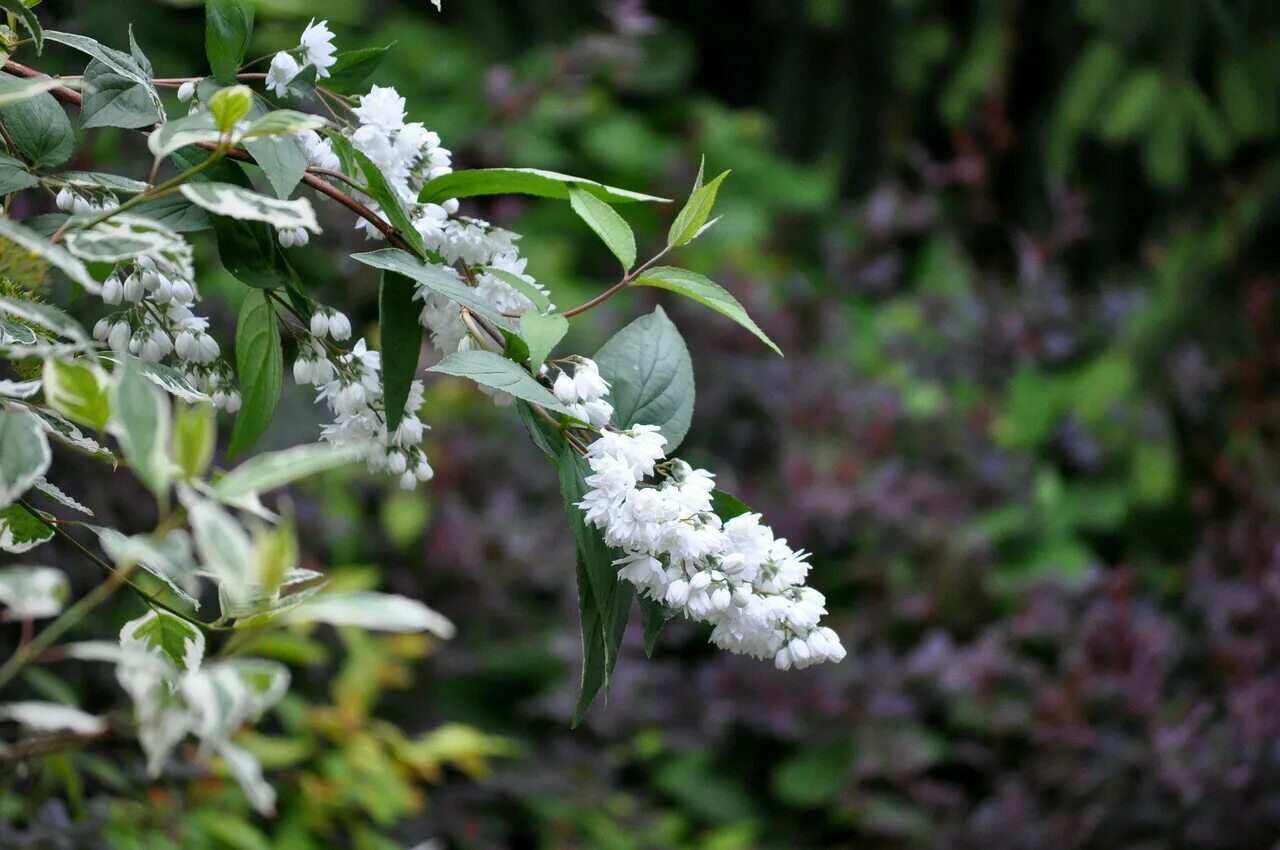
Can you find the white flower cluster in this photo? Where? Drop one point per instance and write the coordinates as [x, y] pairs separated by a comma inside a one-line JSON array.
[[735, 574], [160, 324], [317, 51], [583, 392], [350, 383], [78, 202]]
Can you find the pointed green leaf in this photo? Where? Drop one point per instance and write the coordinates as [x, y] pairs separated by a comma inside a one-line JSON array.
[[522, 181], [541, 333], [690, 221], [499, 373], [706, 292], [141, 422], [228, 24], [612, 229], [651, 377], [438, 279], [401, 343], [260, 366]]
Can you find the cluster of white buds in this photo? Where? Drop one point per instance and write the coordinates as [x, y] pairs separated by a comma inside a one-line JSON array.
[[291, 237], [583, 393], [350, 383], [327, 322], [160, 323], [78, 202], [735, 575]]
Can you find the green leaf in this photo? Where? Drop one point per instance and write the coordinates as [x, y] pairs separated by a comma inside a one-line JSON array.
[[388, 201], [40, 130], [522, 181], [275, 469], [727, 506], [651, 377], [78, 390], [101, 180], [353, 67], [535, 295], [1139, 98], [127, 237], [141, 422], [367, 609], [113, 100], [14, 176], [814, 776], [541, 333], [436, 278], [165, 377], [229, 105], [495, 371], [178, 133], [121, 63], [612, 229], [228, 24], [24, 453], [232, 201], [545, 435], [20, 10], [260, 366], [705, 292], [195, 434], [280, 157], [401, 343], [249, 251], [176, 213], [653, 616], [599, 586], [692, 219]]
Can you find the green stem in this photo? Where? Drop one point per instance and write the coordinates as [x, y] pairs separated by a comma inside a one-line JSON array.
[[69, 618]]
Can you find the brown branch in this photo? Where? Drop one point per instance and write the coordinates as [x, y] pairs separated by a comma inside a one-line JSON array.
[[312, 178]]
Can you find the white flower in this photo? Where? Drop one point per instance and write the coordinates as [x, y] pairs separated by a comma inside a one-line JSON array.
[[282, 71], [587, 380], [382, 108], [186, 91], [339, 326], [317, 47], [319, 150], [320, 323]]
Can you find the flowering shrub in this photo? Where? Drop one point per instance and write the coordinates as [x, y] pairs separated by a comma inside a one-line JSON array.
[[143, 389]]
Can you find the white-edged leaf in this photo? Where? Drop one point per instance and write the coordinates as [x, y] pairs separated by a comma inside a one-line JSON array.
[[125, 237], [101, 180], [79, 390], [52, 717], [19, 389], [369, 609], [522, 181], [21, 530], [275, 469], [499, 373], [18, 89], [55, 493], [59, 427], [180, 132], [172, 637], [24, 453], [165, 377], [57, 256], [245, 768], [169, 560], [224, 548], [43, 315], [142, 421], [612, 228], [235, 202], [33, 592], [439, 279], [283, 122]]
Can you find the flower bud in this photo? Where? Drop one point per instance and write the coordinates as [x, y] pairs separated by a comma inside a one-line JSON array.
[[320, 323]]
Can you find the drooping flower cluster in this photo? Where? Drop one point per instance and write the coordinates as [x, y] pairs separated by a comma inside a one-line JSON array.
[[583, 393], [735, 575], [350, 383], [160, 324]]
